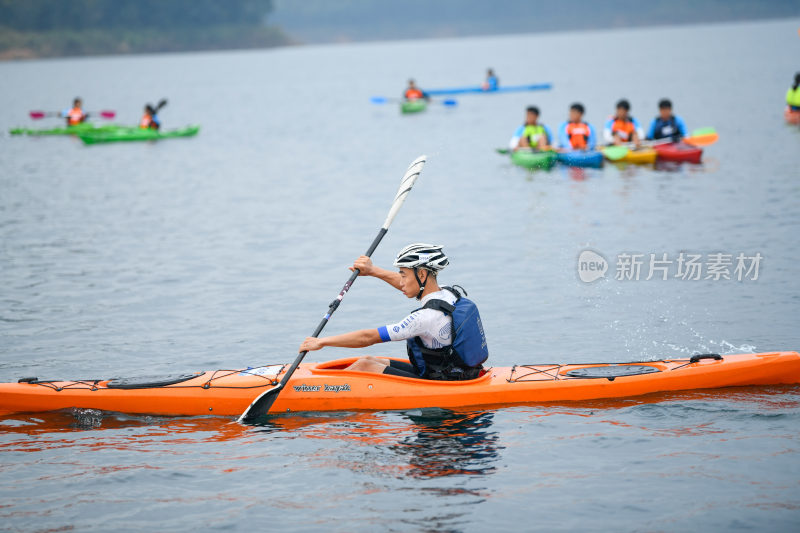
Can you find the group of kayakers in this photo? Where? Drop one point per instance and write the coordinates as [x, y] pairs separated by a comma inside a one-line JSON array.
[[76, 115], [576, 134]]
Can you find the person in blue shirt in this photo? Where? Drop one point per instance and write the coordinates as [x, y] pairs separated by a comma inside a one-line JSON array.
[[622, 128], [491, 83], [575, 134], [666, 125], [532, 134]]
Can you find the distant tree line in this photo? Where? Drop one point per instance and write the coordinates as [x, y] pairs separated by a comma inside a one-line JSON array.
[[53, 28], [48, 15]]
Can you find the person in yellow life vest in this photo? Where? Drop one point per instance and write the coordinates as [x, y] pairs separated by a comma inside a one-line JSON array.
[[150, 119], [76, 115], [793, 94], [623, 128], [413, 92], [532, 134], [575, 134]]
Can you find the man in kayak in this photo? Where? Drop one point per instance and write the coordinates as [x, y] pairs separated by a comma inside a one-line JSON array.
[[666, 125], [76, 115], [491, 83], [623, 128], [575, 134], [150, 119], [793, 94], [428, 331], [532, 134], [413, 92]]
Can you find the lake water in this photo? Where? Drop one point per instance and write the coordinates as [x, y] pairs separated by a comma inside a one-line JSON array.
[[224, 250]]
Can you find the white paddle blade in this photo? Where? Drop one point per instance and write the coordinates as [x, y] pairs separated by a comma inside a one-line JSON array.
[[409, 178]]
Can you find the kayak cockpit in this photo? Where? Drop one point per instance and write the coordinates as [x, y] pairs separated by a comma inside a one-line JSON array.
[[339, 367], [336, 364]]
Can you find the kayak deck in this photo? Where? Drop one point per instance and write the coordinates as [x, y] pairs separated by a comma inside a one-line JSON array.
[[791, 117], [85, 127], [135, 134], [581, 158], [533, 159], [641, 156], [329, 387], [678, 152], [479, 89], [413, 106]]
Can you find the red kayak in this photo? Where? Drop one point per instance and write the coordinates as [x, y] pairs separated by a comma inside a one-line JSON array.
[[679, 152], [792, 117]]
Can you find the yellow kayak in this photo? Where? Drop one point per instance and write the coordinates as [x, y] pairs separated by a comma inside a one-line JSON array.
[[642, 156]]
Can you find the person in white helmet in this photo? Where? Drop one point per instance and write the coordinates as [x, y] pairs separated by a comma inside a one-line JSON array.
[[428, 330]]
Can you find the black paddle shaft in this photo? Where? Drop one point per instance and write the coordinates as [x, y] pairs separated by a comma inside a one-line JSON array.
[[264, 402]]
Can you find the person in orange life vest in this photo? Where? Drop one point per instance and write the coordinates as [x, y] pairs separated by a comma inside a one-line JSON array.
[[76, 115], [413, 92], [623, 128], [150, 119], [575, 134]]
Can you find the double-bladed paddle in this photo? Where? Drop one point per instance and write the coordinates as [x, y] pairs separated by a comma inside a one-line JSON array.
[[702, 137], [262, 404], [36, 115], [614, 153], [384, 100]]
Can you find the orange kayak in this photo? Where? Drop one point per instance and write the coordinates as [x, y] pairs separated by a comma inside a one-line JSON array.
[[328, 387]]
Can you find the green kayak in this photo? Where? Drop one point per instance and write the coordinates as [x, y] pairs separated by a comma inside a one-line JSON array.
[[413, 106], [86, 127], [135, 134], [533, 159]]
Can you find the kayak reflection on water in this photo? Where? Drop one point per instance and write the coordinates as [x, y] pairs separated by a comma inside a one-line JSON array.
[[448, 443], [423, 443]]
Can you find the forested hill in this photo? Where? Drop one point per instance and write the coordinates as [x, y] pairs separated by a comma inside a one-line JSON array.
[[47, 28], [50, 28], [322, 21]]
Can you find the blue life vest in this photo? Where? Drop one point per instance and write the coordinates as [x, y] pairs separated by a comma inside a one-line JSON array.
[[462, 359], [667, 128]]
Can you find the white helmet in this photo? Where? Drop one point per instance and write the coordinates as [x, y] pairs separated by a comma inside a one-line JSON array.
[[421, 255]]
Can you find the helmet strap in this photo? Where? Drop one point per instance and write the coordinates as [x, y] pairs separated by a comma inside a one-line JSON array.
[[421, 283]]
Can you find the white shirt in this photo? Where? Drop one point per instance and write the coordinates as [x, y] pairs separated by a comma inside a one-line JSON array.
[[433, 327]]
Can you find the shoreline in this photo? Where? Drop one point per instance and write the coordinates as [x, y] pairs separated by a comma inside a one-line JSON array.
[[27, 46]]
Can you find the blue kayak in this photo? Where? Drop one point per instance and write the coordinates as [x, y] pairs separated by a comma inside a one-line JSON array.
[[581, 158], [479, 89]]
